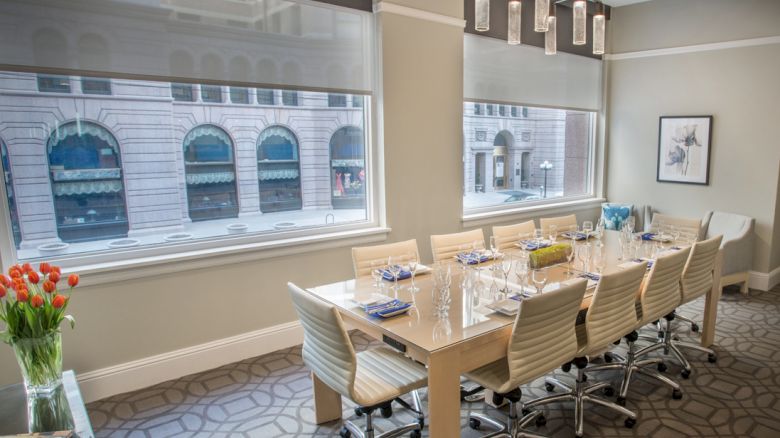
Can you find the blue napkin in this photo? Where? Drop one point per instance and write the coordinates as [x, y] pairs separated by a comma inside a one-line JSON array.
[[380, 310], [403, 275], [590, 276], [648, 236], [532, 245], [649, 262], [471, 258], [580, 236]]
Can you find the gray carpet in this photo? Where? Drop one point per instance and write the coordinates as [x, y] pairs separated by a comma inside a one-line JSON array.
[[270, 395]]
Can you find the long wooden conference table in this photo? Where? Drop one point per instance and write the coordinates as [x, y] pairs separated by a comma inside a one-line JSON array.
[[470, 337]]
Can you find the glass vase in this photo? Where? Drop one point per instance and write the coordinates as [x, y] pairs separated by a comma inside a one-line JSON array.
[[41, 362]]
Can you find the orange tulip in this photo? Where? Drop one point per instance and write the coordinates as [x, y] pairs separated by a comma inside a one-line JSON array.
[[5, 281], [15, 272], [49, 286], [19, 283], [22, 295], [56, 269], [59, 301], [73, 280], [54, 276], [3, 291], [27, 267], [33, 277], [44, 267], [36, 301]]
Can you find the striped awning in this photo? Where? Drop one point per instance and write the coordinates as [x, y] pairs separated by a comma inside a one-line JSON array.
[[210, 178], [84, 174], [271, 174], [348, 163], [86, 187]]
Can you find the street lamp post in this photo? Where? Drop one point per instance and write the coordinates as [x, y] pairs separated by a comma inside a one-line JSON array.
[[546, 166]]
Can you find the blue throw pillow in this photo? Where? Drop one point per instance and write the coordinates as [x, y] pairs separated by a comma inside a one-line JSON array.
[[615, 214]]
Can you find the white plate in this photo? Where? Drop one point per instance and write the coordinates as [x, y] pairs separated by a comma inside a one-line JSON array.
[[662, 238], [507, 306]]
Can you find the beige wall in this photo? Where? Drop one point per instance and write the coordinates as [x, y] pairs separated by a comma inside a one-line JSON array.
[[737, 86], [775, 261]]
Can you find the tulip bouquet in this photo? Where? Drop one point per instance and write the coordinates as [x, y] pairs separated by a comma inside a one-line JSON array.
[[32, 306]]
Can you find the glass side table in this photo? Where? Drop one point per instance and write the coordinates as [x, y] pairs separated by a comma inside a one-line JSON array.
[[63, 410]]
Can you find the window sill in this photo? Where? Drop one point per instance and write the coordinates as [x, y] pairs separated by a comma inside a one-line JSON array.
[[144, 267], [530, 211]]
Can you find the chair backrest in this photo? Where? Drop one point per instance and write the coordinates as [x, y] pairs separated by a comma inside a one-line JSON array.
[[612, 311], [697, 276], [446, 246], [327, 350], [681, 223], [563, 223], [506, 236], [364, 256], [730, 225], [661, 292], [544, 336]]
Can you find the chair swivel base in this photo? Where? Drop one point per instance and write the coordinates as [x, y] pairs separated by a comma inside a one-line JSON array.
[[580, 394], [513, 427], [351, 429]]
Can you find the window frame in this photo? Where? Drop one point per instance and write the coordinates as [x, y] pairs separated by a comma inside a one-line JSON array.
[[108, 266], [521, 209]]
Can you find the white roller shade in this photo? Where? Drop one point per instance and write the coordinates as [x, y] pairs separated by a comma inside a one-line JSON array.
[[495, 71], [299, 44]]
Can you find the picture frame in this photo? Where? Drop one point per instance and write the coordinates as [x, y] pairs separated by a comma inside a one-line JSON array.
[[684, 146]]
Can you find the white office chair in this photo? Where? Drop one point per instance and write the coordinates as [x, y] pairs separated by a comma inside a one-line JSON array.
[[363, 257], [681, 223], [543, 338], [446, 246], [371, 378], [659, 297], [562, 223], [611, 315], [737, 245], [506, 236], [697, 278]]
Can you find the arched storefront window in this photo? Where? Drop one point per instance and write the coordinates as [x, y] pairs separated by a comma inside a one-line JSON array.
[[210, 174], [348, 168], [86, 174], [9, 190], [278, 170]]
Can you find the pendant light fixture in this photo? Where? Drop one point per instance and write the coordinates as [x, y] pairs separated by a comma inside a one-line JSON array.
[[514, 11], [482, 15], [550, 38], [599, 25], [579, 27], [542, 10]]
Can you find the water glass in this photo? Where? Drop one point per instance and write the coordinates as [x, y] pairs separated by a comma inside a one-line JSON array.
[[587, 227], [538, 236], [377, 272], [413, 265], [539, 277], [442, 275], [553, 233], [394, 266], [584, 254]]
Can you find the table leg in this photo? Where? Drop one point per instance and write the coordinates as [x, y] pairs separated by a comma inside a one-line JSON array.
[[444, 394], [327, 402], [711, 305]]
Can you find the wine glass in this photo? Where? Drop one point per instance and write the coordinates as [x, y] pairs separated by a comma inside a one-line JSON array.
[[394, 266], [377, 272], [539, 277], [538, 236], [464, 255], [521, 271], [493, 246], [413, 265], [630, 224], [552, 230], [584, 254], [587, 228], [599, 258], [506, 268], [571, 255]]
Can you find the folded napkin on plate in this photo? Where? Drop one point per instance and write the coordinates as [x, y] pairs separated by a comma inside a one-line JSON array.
[[533, 245], [590, 276], [552, 255], [386, 309], [579, 236], [471, 257], [403, 275], [648, 236]]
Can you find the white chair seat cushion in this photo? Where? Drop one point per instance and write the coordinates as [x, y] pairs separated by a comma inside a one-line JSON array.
[[384, 374], [493, 376]]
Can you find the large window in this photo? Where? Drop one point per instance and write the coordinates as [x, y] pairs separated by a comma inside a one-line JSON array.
[[86, 180], [210, 174], [509, 161], [278, 170]]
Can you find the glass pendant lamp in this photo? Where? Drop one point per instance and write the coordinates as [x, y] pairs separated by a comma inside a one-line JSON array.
[[550, 38], [515, 13], [542, 10], [482, 15], [580, 11], [599, 28]]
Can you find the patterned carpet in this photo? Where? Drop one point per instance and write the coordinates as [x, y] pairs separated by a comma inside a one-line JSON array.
[[270, 395]]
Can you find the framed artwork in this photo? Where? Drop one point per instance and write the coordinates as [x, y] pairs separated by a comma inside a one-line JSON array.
[[684, 149]]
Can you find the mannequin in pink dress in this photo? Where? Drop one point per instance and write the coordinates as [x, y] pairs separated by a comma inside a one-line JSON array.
[[339, 185]]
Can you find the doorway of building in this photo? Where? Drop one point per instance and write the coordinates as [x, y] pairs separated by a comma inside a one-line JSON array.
[[479, 172], [525, 170]]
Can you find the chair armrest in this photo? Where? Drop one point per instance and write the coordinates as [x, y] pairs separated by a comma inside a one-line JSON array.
[[738, 251]]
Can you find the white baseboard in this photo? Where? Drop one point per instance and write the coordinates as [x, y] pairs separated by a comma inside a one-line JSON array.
[[148, 371], [763, 280]]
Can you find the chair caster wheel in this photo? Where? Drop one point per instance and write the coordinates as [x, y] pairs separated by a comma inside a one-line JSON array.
[[525, 411], [685, 374], [584, 378], [386, 411], [629, 423], [578, 435], [540, 421], [660, 334], [695, 327], [359, 412], [676, 338], [421, 422], [474, 423], [711, 358], [607, 358], [345, 433], [676, 394], [621, 401], [415, 434], [661, 367], [549, 387], [609, 391]]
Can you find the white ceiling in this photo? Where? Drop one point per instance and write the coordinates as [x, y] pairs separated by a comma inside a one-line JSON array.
[[617, 3]]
